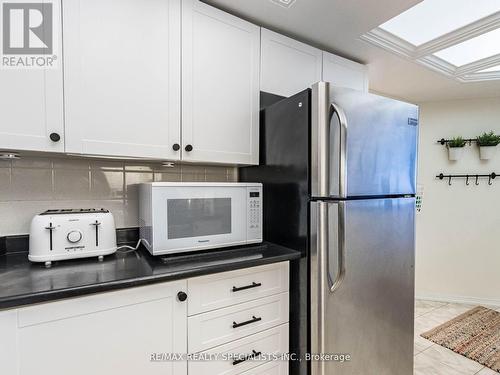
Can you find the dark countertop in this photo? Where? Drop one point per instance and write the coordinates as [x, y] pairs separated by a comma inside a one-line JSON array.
[[23, 282]]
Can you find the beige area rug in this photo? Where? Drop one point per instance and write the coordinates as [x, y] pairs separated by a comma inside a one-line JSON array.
[[475, 334]]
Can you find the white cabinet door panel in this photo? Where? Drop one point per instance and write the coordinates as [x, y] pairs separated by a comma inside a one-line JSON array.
[[31, 102], [220, 86], [8, 342], [122, 77], [341, 72], [120, 336], [287, 66]]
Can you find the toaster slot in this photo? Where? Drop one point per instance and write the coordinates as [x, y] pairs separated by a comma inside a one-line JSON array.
[[96, 225], [50, 228]]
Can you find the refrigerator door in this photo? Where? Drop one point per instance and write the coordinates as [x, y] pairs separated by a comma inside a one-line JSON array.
[[362, 144], [362, 285]]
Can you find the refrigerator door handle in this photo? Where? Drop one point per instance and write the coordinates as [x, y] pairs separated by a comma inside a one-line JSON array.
[[322, 284], [339, 148], [334, 282]]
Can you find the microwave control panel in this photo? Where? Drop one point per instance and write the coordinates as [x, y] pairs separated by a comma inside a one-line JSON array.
[[254, 199]]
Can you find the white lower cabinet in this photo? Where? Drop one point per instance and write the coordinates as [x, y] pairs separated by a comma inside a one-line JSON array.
[[234, 316], [107, 333], [269, 368], [220, 290], [237, 356], [132, 331], [217, 327]]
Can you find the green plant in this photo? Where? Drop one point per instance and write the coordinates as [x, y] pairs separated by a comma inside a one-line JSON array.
[[456, 142], [488, 139]]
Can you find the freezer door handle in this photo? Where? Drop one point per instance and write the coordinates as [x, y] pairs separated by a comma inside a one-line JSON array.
[[339, 147], [327, 144]]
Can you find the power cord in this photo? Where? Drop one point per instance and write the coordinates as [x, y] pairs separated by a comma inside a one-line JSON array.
[[130, 248]]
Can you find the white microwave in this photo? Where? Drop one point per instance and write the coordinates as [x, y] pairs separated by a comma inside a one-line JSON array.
[[177, 217]]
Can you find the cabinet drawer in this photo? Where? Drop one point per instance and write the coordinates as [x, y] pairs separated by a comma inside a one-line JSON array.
[[230, 288], [269, 368], [273, 341], [221, 326]]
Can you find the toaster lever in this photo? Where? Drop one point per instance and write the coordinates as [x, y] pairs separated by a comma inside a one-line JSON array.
[[50, 228], [96, 224]]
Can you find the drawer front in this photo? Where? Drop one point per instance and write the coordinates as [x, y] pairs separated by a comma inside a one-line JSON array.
[[269, 342], [212, 292], [269, 368], [218, 327]]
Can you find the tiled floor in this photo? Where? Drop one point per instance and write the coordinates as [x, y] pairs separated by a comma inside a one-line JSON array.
[[433, 359]]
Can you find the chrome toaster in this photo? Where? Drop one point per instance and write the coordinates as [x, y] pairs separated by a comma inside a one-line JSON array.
[[71, 233]]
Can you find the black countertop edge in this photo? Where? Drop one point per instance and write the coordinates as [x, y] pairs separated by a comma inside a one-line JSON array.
[[275, 254]]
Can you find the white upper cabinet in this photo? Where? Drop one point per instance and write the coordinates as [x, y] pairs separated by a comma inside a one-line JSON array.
[[122, 77], [220, 86], [287, 66], [344, 73], [31, 102]]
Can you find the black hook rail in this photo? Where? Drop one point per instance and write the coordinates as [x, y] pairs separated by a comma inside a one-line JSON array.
[[446, 141], [490, 177]]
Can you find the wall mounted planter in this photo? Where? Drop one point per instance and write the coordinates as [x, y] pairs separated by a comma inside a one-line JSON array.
[[455, 153], [487, 152]]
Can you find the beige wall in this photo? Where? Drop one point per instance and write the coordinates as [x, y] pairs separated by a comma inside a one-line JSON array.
[[458, 230], [32, 185]]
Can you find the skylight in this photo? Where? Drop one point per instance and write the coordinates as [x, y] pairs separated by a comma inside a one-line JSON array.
[[471, 50], [431, 19]]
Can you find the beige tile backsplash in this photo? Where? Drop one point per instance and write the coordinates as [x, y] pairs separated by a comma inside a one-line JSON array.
[[32, 185]]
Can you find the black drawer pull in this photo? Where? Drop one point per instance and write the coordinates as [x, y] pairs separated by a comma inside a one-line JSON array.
[[250, 356], [253, 285], [253, 320]]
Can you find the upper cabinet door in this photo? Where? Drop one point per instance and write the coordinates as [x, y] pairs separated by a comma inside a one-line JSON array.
[[220, 92], [31, 102], [122, 77], [341, 72], [287, 66]]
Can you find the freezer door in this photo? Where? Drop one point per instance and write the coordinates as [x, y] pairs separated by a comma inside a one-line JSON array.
[[362, 144], [362, 285], [381, 144]]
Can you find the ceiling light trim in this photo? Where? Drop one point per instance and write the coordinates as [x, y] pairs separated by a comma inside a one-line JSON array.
[[423, 54], [460, 35], [478, 65], [390, 42], [480, 77]]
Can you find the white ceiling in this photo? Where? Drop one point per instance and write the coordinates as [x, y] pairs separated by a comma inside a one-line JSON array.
[[336, 25]]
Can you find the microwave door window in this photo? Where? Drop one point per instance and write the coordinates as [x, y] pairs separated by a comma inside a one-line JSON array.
[[198, 217]]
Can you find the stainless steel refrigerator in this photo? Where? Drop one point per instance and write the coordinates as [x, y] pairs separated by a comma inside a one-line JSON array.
[[339, 174]]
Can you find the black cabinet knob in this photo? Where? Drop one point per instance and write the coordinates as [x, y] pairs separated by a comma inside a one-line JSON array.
[[54, 137], [188, 148], [176, 147], [181, 296]]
